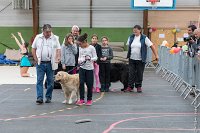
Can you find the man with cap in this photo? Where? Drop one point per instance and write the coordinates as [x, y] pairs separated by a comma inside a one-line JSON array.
[[46, 54]]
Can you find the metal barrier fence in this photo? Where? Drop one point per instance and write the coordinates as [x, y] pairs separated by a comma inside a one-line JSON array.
[[149, 61], [182, 71]]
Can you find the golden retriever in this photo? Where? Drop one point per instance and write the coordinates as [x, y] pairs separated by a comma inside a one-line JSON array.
[[70, 85]]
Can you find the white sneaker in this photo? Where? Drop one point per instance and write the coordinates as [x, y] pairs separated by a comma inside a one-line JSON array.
[[64, 102], [32, 75]]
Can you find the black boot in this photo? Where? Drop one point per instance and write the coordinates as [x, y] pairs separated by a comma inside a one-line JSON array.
[[107, 87], [102, 88]]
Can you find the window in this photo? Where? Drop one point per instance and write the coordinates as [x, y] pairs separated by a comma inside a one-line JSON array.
[[21, 4]]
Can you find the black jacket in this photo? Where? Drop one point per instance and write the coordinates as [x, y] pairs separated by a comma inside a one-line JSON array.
[[98, 51]]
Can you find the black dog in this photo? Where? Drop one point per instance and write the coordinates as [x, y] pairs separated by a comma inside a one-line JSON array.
[[56, 85], [119, 72]]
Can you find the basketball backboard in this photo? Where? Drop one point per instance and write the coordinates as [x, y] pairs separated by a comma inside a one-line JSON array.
[[153, 4]]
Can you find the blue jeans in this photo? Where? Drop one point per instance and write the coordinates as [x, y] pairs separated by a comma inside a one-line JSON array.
[[42, 69]]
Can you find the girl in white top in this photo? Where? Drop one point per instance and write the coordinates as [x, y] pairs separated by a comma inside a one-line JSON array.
[[87, 55]]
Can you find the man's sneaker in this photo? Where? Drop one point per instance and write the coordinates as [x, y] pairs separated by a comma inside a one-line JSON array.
[[48, 101], [39, 101], [89, 103], [128, 89], [139, 89], [97, 89], [80, 102]]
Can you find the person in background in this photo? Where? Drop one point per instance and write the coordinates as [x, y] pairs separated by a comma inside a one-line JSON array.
[[197, 35], [187, 47], [46, 54], [137, 54], [191, 29], [196, 49], [24, 61], [68, 52], [94, 42], [197, 40], [104, 65], [87, 55], [190, 41], [75, 31]]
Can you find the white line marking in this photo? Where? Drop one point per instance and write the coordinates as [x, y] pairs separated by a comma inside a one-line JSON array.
[[27, 89], [43, 114], [22, 117], [53, 112], [32, 115], [7, 119]]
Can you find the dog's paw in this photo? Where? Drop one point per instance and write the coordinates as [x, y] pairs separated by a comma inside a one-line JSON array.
[[64, 102]]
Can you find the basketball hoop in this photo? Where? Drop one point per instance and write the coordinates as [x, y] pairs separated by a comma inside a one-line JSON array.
[[153, 2]]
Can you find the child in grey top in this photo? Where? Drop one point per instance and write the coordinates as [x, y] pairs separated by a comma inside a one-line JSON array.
[[68, 52], [104, 65], [107, 54]]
